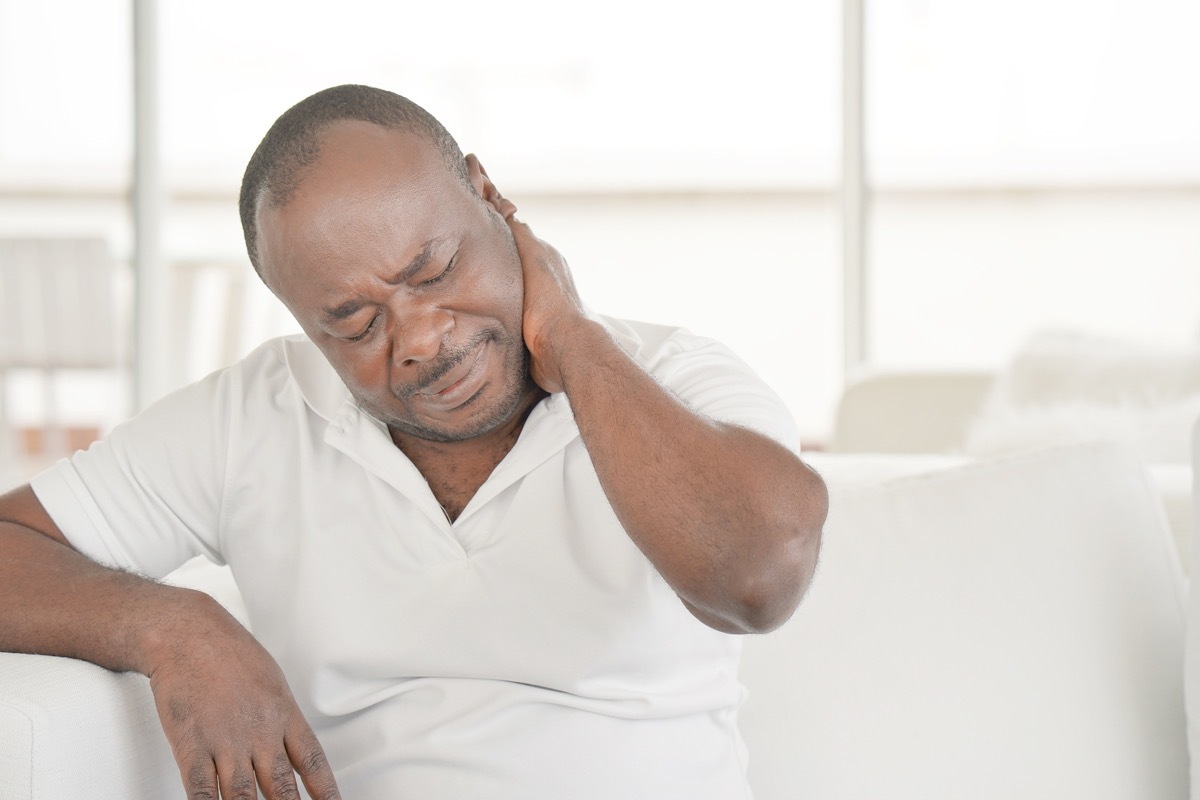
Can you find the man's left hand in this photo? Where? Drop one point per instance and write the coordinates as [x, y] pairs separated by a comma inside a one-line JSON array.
[[553, 309], [730, 518]]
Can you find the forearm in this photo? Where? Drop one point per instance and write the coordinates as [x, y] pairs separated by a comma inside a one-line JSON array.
[[54, 601], [224, 703], [730, 518]]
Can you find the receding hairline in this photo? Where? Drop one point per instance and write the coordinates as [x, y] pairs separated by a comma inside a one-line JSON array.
[[293, 145], [279, 193]]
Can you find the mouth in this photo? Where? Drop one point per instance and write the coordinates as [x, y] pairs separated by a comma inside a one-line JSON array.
[[461, 383]]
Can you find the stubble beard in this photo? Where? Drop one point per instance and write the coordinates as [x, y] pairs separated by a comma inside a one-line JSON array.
[[518, 383]]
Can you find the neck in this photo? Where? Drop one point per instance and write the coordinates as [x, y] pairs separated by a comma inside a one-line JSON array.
[[456, 470]]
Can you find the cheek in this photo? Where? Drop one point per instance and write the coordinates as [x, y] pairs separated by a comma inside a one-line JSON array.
[[508, 288], [495, 290], [363, 369], [505, 282], [508, 282]]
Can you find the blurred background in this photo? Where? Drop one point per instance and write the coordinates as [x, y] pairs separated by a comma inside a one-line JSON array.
[[1027, 165]]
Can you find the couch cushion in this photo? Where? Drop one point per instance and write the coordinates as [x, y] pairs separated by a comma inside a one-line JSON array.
[[1005, 629]]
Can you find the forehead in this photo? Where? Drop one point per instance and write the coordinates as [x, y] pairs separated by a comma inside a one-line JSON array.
[[371, 194]]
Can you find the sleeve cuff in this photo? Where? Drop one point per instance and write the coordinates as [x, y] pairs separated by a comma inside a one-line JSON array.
[[61, 492]]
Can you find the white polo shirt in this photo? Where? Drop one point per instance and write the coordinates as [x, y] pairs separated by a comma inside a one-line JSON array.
[[527, 651]]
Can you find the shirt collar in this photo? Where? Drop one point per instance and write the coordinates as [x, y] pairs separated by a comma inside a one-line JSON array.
[[318, 382], [550, 426]]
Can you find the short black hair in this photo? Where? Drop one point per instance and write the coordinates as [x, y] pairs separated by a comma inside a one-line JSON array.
[[294, 142]]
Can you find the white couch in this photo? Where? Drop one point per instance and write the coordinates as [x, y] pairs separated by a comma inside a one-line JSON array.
[[1009, 628], [1058, 387]]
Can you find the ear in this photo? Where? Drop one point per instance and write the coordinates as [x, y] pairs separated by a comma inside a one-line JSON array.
[[487, 190]]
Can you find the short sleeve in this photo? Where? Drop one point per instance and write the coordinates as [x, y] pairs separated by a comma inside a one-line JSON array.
[[149, 496], [714, 381]]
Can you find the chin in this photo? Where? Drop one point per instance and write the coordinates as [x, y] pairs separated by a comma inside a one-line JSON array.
[[479, 416]]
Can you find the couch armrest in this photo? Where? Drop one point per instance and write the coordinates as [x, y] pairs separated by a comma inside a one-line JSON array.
[[71, 729]]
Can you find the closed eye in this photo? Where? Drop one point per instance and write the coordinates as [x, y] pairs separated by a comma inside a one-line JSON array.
[[441, 275], [358, 337]]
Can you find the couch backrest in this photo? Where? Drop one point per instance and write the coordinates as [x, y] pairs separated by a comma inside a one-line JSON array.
[[1007, 629]]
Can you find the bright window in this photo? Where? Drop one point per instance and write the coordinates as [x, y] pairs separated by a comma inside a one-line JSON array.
[[1033, 164], [1036, 165]]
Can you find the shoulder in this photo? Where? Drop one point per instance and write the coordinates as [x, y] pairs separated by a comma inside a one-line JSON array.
[[651, 344], [664, 350], [291, 368], [708, 376]]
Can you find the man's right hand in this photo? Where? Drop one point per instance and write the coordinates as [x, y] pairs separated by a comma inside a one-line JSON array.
[[224, 704], [227, 711]]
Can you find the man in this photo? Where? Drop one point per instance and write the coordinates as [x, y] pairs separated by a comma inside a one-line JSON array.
[[495, 542]]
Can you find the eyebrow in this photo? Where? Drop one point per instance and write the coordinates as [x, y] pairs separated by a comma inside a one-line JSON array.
[[351, 307]]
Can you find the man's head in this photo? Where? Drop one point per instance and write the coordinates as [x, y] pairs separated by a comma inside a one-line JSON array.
[[392, 251], [293, 143]]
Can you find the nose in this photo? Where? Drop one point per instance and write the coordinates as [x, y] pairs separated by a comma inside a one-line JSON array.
[[418, 336]]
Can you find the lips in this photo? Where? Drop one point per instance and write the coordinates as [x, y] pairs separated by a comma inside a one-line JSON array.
[[461, 383]]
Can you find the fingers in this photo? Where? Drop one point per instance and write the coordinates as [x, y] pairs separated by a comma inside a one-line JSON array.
[[237, 780], [277, 777], [522, 233], [505, 207], [200, 781], [238, 777], [305, 753], [232, 721], [532, 250]]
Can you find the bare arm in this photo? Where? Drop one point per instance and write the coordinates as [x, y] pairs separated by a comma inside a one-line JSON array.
[[731, 519], [224, 704]]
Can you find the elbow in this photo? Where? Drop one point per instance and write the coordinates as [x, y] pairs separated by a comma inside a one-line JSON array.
[[768, 598], [770, 590]]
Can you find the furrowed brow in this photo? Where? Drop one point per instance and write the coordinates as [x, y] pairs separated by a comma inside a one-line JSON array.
[[417, 264], [419, 261], [346, 309]]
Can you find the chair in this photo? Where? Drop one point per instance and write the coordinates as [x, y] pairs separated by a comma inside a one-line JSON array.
[[224, 312], [908, 412], [57, 312]]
